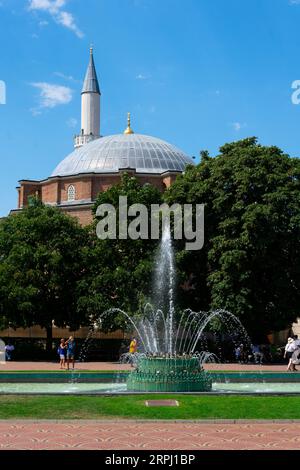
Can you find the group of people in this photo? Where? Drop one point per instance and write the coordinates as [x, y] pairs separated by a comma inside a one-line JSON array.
[[245, 355], [66, 352], [292, 352]]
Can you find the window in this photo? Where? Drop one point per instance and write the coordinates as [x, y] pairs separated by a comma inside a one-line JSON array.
[[71, 193]]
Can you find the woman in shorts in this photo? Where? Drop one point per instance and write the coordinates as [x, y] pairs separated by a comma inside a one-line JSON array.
[[62, 353]]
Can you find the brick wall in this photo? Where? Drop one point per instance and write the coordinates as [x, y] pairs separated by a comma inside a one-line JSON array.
[[83, 188], [102, 183], [87, 188], [25, 191], [169, 180], [38, 332], [83, 215], [50, 192]]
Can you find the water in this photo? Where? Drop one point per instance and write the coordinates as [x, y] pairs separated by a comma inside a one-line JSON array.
[[164, 288], [115, 388], [2, 352], [156, 328]]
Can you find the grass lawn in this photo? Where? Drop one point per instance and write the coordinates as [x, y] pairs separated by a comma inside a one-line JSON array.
[[190, 407]]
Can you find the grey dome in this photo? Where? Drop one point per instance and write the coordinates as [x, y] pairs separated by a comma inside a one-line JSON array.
[[109, 154]]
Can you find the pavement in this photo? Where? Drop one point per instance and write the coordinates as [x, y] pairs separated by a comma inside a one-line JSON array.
[[119, 434], [105, 366], [138, 435], [45, 366]]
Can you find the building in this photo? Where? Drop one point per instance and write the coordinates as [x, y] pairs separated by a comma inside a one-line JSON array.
[[97, 162]]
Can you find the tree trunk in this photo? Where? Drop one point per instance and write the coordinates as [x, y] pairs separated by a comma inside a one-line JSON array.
[[49, 339]]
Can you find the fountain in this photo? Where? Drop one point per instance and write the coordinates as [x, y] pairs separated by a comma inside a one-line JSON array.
[[171, 354], [168, 360]]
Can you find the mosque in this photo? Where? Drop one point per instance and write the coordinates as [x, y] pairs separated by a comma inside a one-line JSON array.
[[98, 162]]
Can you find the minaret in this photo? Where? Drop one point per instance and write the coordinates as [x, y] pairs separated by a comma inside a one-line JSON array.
[[90, 106]]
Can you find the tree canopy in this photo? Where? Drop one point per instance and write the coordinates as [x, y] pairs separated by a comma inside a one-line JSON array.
[[250, 262], [41, 253]]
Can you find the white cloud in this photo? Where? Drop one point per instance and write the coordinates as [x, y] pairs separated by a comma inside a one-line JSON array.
[[66, 77], [51, 6], [35, 112], [140, 76], [72, 122], [237, 126], [52, 95], [294, 2], [54, 8], [67, 20]]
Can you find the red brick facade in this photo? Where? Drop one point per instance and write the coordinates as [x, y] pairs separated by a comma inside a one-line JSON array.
[[54, 191]]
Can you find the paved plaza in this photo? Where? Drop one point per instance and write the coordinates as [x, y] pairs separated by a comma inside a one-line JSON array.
[[106, 366], [153, 435]]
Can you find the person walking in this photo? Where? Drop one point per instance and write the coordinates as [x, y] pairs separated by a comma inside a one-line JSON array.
[[289, 349], [294, 360], [70, 352]]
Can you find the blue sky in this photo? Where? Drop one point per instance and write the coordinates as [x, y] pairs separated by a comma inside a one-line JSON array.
[[197, 73]]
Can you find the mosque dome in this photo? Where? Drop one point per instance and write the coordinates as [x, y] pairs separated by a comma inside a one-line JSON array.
[[143, 153]]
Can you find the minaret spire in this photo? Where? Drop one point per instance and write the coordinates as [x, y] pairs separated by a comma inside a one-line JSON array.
[[90, 105], [91, 84]]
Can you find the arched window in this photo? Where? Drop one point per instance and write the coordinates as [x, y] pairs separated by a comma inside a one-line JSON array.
[[71, 193]]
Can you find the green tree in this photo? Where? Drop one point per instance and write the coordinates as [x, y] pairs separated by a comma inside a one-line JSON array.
[[250, 263], [119, 271], [41, 254]]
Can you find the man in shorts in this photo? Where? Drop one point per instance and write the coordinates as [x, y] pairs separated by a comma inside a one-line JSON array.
[[70, 352]]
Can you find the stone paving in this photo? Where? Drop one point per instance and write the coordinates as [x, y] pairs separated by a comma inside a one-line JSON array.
[[137, 435], [45, 366], [23, 366]]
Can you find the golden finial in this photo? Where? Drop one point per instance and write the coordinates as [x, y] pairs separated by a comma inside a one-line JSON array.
[[128, 130]]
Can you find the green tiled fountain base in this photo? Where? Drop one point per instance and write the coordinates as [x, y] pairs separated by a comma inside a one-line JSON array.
[[169, 375]]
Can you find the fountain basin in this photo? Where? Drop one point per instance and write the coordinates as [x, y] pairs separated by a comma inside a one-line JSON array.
[[114, 383], [169, 374]]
